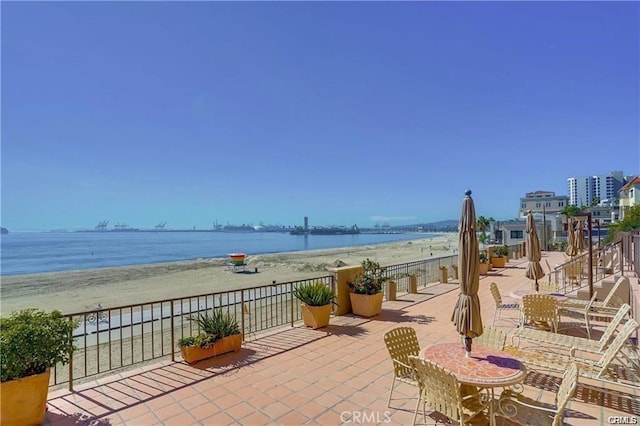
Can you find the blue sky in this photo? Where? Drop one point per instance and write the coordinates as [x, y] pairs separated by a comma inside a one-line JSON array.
[[346, 112]]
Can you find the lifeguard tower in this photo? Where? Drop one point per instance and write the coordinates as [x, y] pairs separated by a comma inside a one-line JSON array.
[[236, 262]]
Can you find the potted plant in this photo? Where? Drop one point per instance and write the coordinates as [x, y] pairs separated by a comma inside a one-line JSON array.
[[483, 266], [32, 341], [316, 300], [220, 333], [366, 290], [499, 258]]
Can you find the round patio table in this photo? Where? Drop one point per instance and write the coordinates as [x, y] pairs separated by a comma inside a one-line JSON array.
[[519, 294], [485, 367]]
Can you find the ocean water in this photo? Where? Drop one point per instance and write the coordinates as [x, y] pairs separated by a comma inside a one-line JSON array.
[[31, 252]]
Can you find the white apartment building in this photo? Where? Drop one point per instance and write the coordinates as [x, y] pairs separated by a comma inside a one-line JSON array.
[[542, 201], [582, 190]]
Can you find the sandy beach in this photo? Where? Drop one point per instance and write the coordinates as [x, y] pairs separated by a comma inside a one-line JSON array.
[[75, 291]]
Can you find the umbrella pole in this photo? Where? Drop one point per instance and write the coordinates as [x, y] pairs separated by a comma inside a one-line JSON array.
[[467, 345], [537, 286]]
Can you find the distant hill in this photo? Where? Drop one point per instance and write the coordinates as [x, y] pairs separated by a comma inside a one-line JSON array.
[[441, 226]]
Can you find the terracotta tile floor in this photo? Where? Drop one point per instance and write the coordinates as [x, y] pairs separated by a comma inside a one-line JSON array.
[[296, 376]]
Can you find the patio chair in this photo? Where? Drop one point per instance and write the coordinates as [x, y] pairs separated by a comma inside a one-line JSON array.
[[610, 302], [540, 309], [623, 373], [573, 273], [562, 340], [441, 390], [492, 338], [608, 307], [500, 306], [402, 342], [527, 411], [547, 287]]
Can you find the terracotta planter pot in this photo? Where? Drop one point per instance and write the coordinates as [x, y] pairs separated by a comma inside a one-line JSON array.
[[193, 354], [366, 305], [413, 284], [499, 262], [24, 401], [315, 316], [483, 268]]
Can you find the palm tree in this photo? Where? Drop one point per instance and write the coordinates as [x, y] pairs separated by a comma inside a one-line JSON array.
[[483, 223]]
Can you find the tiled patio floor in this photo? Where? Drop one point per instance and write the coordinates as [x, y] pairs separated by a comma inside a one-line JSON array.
[[296, 376]]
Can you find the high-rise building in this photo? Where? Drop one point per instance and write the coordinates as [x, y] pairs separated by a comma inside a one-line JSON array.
[[585, 189]]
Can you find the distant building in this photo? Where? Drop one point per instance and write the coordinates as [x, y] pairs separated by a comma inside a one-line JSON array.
[[583, 190], [513, 232], [542, 201], [629, 195]]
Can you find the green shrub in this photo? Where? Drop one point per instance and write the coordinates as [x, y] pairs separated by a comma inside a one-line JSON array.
[[371, 280], [483, 257], [32, 341], [316, 294], [501, 251]]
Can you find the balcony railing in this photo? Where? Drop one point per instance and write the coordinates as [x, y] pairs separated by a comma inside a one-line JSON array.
[[115, 338]]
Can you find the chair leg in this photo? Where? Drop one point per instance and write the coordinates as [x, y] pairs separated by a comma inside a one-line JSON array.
[[415, 413], [391, 390]]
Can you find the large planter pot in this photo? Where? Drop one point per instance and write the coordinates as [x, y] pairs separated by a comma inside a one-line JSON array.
[[193, 354], [315, 316], [24, 401], [483, 268], [499, 262], [366, 305]]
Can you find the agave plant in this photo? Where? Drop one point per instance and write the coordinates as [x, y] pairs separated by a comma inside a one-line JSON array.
[[214, 325], [316, 294]]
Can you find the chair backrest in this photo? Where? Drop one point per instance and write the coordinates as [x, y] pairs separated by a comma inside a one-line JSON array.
[[401, 343], [616, 345], [492, 338], [539, 307], [565, 392], [496, 294], [613, 325], [439, 388], [614, 289]]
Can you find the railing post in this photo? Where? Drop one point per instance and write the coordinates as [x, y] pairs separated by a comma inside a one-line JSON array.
[[242, 308], [173, 331], [71, 359], [291, 298]]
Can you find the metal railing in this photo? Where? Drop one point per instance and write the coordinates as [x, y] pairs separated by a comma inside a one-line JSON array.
[[116, 338], [574, 273], [425, 271], [109, 339]]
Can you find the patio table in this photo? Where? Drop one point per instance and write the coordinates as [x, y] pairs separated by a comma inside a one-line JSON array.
[[485, 367], [519, 294]]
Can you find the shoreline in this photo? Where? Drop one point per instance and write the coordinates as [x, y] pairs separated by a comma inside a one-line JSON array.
[[78, 290]]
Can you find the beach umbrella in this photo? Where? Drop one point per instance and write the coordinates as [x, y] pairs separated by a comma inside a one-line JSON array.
[[532, 244], [466, 315], [571, 243]]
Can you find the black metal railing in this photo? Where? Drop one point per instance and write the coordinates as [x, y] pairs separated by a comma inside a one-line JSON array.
[[109, 339]]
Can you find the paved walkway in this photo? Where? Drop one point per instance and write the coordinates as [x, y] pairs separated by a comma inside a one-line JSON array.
[[296, 376]]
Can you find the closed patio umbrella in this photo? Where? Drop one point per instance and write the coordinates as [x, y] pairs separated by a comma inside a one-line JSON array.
[[571, 243], [532, 243], [466, 315], [579, 237]]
